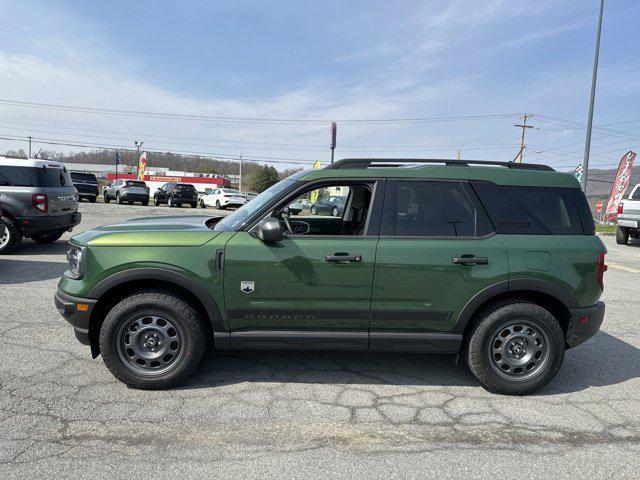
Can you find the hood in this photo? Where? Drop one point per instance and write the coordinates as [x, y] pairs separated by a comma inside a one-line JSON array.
[[185, 231]]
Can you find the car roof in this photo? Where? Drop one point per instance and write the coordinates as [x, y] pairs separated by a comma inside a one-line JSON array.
[[29, 162], [502, 173]]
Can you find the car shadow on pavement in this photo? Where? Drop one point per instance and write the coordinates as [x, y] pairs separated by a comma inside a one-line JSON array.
[[14, 272], [602, 361], [223, 368], [29, 247]]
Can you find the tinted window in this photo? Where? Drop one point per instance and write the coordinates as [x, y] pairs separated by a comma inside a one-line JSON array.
[[34, 177], [531, 210], [83, 177], [186, 186], [132, 183], [430, 209]]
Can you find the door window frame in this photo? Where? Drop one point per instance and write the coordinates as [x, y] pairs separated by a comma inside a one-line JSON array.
[[483, 226], [372, 225]]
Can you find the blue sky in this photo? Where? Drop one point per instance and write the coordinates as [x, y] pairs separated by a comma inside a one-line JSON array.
[[342, 60]]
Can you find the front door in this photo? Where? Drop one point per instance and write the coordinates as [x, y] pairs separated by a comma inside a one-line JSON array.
[[435, 253], [311, 289]]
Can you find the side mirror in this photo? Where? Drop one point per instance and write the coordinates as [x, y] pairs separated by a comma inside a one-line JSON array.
[[269, 230]]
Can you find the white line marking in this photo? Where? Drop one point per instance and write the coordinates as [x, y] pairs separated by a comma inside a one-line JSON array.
[[623, 268]]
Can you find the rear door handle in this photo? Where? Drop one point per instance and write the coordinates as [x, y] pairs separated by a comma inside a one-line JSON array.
[[470, 260], [343, 257]]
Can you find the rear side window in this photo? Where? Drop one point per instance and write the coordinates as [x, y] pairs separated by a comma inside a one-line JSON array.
[[532, 210], [83, 177], [132, 183], [429, 209], [34, 177]]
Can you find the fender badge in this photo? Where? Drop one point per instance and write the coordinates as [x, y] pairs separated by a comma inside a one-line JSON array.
[[247, 286]]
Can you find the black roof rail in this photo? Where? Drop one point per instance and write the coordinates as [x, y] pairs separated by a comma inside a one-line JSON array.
[[396, 162]]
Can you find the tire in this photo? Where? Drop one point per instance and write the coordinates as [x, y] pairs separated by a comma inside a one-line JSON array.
[[11, 238], [156, 202], [194, 204], [145, 203], [178, 204], [202, 205], [509, 323], [93, 199], [118, 199], [170, 202], [218, 206], [48, 237], [183, 337], [622, 235], [107, 199], [313, 210], [335, 212]]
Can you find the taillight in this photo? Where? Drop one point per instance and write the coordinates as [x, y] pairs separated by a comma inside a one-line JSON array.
[[40, 201], [602, 267], [620, 208]]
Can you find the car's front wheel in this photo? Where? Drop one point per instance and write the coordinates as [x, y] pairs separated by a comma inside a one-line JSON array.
[[202, 205], [622, 235], [515, 347], [153, 339], [170, 202], [335, 212], [11, 238], [118, 199], [194, 204]]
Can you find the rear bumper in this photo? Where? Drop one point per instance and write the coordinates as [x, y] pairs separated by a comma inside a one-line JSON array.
[[76, 311], [628, 223], [185, 199], [584, 323], [36, 225], [87, 191], [134, 197]]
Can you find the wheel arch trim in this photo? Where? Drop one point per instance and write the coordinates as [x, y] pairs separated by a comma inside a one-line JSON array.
[[169, 276], [512, 285]]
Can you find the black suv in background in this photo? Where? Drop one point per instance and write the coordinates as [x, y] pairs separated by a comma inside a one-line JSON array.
[[86, 184], [175, 194]]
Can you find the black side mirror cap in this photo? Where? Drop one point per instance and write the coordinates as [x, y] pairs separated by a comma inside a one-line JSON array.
[[269, 230]]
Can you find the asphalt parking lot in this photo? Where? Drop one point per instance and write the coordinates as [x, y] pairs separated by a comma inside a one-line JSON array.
[[312, 415]]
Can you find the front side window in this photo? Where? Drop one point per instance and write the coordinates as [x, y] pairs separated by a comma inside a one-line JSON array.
[[429, 209]]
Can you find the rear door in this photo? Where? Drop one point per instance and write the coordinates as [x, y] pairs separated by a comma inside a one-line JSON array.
[[436, 251], [56, 183]]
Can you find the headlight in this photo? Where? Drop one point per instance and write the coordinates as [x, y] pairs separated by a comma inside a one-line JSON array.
[[75, 257]]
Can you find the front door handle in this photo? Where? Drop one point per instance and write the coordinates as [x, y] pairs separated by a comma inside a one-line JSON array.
[[343, 257], [470, 260]]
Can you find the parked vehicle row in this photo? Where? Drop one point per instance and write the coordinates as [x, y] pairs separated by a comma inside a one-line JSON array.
[[39, 201]]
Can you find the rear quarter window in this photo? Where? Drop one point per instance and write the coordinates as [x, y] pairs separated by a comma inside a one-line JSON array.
[[534, 210]]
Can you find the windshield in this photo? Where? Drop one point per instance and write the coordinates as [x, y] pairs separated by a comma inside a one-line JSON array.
[[236, 219]]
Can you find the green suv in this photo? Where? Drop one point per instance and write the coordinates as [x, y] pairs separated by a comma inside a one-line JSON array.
[[496, 263]]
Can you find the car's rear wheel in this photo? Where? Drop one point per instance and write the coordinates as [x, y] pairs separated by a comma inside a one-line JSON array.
[[48, 237], [313, 210], [11, 238], [107, 199], [218, 205], [156, 202], [194, 204], [92, 199], [515, 347], [202, 205], [622, 235], [153, 339], [335, 212], [145, 203]]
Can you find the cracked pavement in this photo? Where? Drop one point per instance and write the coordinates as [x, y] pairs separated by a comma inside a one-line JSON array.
[[312, 415]]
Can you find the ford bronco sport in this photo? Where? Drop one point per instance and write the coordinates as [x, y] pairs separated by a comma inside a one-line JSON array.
[[494, 262], [39, 201]]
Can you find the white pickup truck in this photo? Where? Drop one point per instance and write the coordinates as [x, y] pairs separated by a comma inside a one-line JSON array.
[[629, 217]]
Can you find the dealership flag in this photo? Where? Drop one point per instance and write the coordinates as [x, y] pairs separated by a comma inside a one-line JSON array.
[[578, 172], [142, 165], [620, 185]]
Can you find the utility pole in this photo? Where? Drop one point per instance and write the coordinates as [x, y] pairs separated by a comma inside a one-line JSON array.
[[524, 126], [137, 160], [240, 179], [594, 77], [29, 147], [458, 156], [334, 133]]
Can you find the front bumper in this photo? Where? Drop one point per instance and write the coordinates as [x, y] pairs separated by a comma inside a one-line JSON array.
[[36, 225], [584, 323], [76, 311]]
